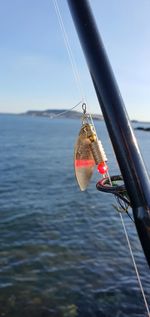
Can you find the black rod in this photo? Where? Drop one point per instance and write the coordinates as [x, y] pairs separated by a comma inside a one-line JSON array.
[[127, 152]]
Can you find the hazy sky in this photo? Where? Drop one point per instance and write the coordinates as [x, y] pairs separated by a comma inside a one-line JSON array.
[[35, 71]]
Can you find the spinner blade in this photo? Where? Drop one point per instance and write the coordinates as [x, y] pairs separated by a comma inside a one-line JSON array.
[[83, 159]]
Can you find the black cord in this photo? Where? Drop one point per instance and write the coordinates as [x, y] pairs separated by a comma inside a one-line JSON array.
[[118, 190]]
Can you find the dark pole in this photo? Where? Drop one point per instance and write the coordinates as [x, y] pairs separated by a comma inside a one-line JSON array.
[[118, 124]]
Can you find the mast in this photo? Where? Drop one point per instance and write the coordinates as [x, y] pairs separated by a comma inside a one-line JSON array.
[[127, 152]]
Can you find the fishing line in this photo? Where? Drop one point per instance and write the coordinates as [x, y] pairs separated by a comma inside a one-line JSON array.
[[132, 256], [135, 265], [69, 50], [72, 61], [109, 185], [80, 89], [66, 111]]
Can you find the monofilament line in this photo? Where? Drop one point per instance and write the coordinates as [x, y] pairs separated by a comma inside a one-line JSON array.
[[73, 63], [69, 50], [66, 111], [135, 266], [133, 259]]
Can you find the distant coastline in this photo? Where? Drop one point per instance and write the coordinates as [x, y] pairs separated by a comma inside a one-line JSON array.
[[59, 113], [67, 114]]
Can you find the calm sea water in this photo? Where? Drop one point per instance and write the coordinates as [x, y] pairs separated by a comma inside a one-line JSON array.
[[62, 252]]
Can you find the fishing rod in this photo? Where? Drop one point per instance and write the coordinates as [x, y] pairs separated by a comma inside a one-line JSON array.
[[133, 170]]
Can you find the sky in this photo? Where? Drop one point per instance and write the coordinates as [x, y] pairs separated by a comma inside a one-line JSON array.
[[35, 70]]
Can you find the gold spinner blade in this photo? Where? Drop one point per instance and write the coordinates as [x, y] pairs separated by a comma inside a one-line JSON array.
[[83, 158]]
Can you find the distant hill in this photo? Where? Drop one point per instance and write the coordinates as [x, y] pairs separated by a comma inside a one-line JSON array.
[[62, 113]]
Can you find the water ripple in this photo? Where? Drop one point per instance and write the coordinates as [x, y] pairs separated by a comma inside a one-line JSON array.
[[62, 252]]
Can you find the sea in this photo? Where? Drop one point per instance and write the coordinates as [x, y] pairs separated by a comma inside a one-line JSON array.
[[63, 252]]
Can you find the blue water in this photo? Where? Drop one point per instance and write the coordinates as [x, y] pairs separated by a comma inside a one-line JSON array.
[[62, 252]]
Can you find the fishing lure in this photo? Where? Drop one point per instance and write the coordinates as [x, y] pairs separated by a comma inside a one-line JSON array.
[[88, 153]]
